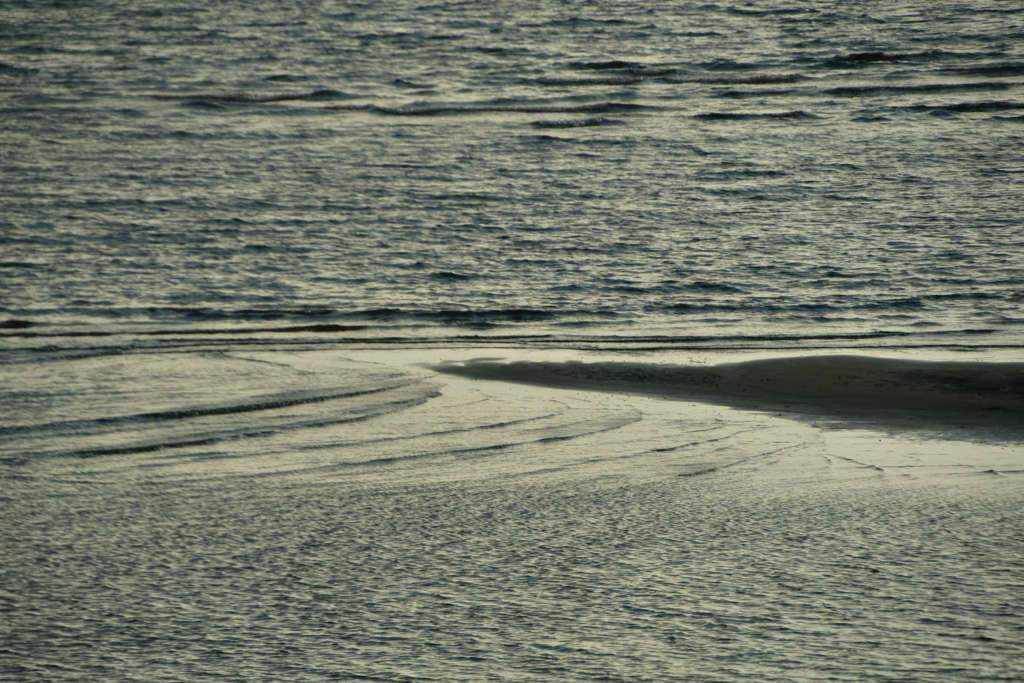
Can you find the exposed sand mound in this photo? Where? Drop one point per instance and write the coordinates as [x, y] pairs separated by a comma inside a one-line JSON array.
[[866, 382], [859, 382]]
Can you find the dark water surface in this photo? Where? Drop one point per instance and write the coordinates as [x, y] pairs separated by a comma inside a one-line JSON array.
[[703, 167], [234, 238]]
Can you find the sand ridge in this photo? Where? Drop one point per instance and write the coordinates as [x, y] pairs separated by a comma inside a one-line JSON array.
[[837, 381]]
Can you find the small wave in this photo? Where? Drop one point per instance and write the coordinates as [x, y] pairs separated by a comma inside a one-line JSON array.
[[742, 173], [402, 83], [570, 81], [687, 307], [549, 138], [10, 68], [736, 80], [251, 98], [284, 78], [636, 69], [652, 71], [743, 116], [858, 90], [450, 276], [742, 11], [970, 107], [904, 304], [181, 332], [354, 106], [569, 123], [861, 58], [473, 316], [524, 108], [740, 94], [1003, 69], [964, 295], [731, 65], [608, 65], [200, 103], [202, 313], [587, 21], [511, 314], [711, 287]]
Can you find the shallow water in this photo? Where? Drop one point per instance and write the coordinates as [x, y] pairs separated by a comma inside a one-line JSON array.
[[324, 515], [237, 242]]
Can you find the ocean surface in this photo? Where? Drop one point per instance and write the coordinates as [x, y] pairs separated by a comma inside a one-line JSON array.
[[274, 278]]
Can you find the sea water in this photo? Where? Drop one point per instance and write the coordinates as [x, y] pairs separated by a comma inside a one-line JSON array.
[[248, 251]]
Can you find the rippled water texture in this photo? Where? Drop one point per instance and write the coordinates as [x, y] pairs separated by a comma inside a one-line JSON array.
[[522, 341], [746, 167]]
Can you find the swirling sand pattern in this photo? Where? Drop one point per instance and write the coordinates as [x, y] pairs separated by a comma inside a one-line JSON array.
[[410, 525]]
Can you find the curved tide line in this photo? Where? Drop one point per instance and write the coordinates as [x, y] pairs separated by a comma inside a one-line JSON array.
[[270, 403], [220, 437]]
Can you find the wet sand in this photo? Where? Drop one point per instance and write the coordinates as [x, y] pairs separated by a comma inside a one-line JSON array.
[[885, 391]]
